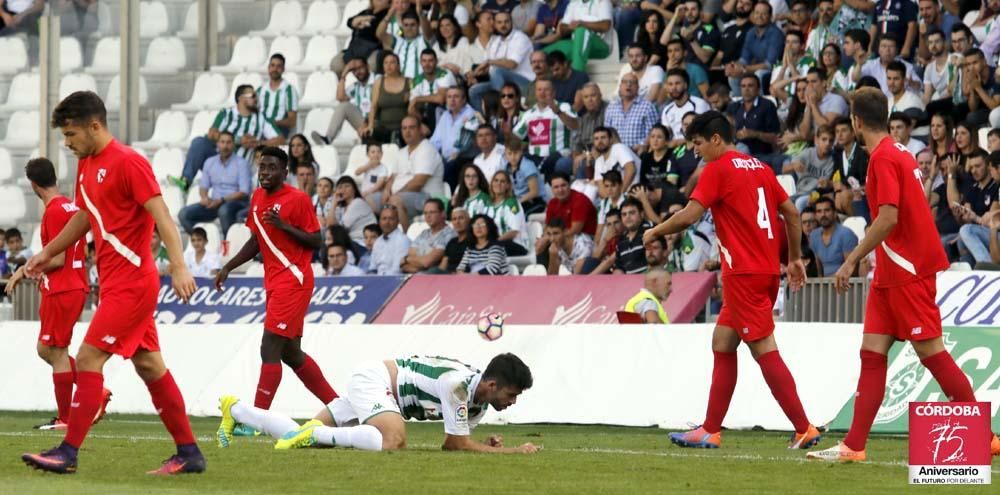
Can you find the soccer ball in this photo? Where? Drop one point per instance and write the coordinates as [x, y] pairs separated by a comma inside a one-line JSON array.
[[491, 326]]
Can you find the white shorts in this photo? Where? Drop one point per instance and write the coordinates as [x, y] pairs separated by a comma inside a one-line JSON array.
[[369, 393]]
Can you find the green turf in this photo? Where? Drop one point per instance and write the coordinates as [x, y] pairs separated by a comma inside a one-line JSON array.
[[576, 459]]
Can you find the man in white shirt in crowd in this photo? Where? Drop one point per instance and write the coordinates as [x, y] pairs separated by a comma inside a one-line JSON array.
[[337, 265], [900, 126], [650, 76], [354, 100], [547, 128], [417, 174], [941, 73], [507, 59], [491, 155], [609, 157], [681, 102], [900, 98], [427, 249], [391, 246], [879, 66]]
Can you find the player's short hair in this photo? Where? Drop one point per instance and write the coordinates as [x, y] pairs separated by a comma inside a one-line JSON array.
[[239, 91], [681, 74], [859, 36], [12, 233], [41, 172], [708, 124], [374, 228], [556, 223], [199, 232], [429, 51], [824, 200], [556, 57], [902, 117], [979, 153], [508, 371], [896, 66], [825, 129], [559, 175], [275, 152], [870, 106], [79, 108], [279, 57], [612, 176], [435, 201]]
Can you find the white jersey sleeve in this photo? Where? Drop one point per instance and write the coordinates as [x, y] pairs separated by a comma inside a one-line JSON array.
[[454, 394]]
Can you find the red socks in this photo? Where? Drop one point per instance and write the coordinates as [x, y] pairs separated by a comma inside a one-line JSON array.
[[312, 378], [167, 399], [871, 390], [721, 392], [267, 385], [63, 384], [949, 376], [782, 386], [84, 407]]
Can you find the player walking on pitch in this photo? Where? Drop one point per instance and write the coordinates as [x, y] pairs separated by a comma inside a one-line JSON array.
[[119, 201], [382, 394], [902, 299], [285, 229], [64, 292], [745, 199]]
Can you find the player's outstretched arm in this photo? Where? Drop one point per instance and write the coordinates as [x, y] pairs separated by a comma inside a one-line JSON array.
[[793, 229], [75, 229], [678, 222], [247, 253], [467, 444], [183, 282], [878, 232]]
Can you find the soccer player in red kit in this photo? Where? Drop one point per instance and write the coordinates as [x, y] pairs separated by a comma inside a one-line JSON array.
[[286, 231], [902, 299], [64, 292], [119, 201], [745, 199]]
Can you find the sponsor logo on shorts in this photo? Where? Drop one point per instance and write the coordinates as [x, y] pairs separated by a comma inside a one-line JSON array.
[[746, 330], [109, 339], [916, 331], [282, 326], [377, 407], [46, 337]]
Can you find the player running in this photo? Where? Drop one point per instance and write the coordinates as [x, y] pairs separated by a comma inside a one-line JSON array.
[[285, 229], [64, 292], [382, 394], [902, 299], [745, 199], [119, 201]]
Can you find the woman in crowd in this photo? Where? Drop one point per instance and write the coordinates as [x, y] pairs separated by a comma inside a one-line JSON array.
[[837, 76], [939, 140], [472, 193], [484, 256], [506, 212], [390, 102], [323, 201], [798, 131], [299, 151], [452, 48], [441, 8], [649, 35], [966, 138], [509, 110], [655, 164], [351, 211], [480, 41]]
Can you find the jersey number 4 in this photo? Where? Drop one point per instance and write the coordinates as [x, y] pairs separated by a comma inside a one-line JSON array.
[[763, 219]]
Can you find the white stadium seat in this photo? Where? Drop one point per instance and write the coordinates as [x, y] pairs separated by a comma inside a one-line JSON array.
[[249, 53], [347, 136], [286, 18], [787, 182], [214, 244], [321, 90], [960, 266], [24, 92], [357, 158], [167, 161], [317, 120], [237, 236], [107, 56], [153, 19], [329, 162], [174, 199], [353, 8], [323, 17], [200, 124], [209, 92], [534, 270], [856, 225], [512, 269], [984, 138], [6, 165], [70, 54], [113, 99], [252, 78], [289, 47], [12, 205], [320, 50], [22, 131], [171, 129], [35, 242], [72, 83], [166, 55], [15, 55], [293, 79], [190, 29]]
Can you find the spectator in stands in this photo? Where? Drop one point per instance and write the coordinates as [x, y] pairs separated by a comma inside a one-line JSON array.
[[483, 255], [837, 76], [427, 249], [731, 46], [592, 116], [611, 155], [159, 251], [630, 253], [225, 188], [507, 59], [507, 214], [935, 184], [373, 174], [391, 246], [656, 254], [442, 8], [648, 302], [649, 75], [279, 100], [353, 103], [300, 153], [631, 115], [390, 102], [850, 166], [981, 21], [822, 107], [979, 89], [940, 140], [372, 233], [338, 235], [648, 38], [547, 22], [677, 59], [305, 178], [508, 112], [940, 72], [560, 247], [687, 251], [898, 20], [718, 97], [415, 37], [478, 45], [498, 6], [821, 33], [491, 158], [351, 210], [832, 242], [337, 265], [856, 15], [20, 16], [795, 63], [809, 223], [900, 98], [755, 120], [17, 253], [540, 68], [547, 126], [900, 126], [584, 32], [455, 249], [654, 164], [529, 187], [364, 43], [605, 246], [244, 121], [524, 14], [427, 90], [573, 208], [417, 174], [472, 192], [452, 137], [452, 47], [626, 18], [856, 50], [762, 47], [612, 197], [930, 18], [700, 37], [78, 16], [813, 167], [201, 262], [978, 202], [566, 81], [993, 140], [888, 51], [681, 102]]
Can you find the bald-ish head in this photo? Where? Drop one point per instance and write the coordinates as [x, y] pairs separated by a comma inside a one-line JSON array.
[[658, 281]]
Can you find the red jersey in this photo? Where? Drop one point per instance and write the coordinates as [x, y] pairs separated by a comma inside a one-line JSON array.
[[112, 188], [913, 249], [287, 264], [744, 195], [73, 274], [576, 208]]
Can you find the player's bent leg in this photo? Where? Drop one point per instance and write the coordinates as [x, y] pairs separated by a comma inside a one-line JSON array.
[[942, 366], [273, 423], [392, 427]]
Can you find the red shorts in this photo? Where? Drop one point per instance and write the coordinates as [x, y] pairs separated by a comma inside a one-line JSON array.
[[286, 311], [748, 304], [59, 312], [123, 321], [907, 312]]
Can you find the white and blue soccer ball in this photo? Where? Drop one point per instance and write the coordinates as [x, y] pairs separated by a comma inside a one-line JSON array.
[[490, 327]]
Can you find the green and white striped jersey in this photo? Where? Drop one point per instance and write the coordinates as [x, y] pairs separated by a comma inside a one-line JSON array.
[[543, 130], [422, 86], [475, 205], [439, 388], [360, 93], [275, 104], [408, 52], [256, 125], [509, 216]]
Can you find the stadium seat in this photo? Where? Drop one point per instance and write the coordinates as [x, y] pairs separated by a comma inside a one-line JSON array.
[[113, 99], [856, 225], [347, 136], [320, 90], [416, 228], [194, 194], [293, 79], [12, 205], [288, 46], [353, 8], [563, 270], [22, 131], [984, 138], [214, 237], [171, 129], [317, 120], [356, 158], [389, 152], [24, 92], [209, 92], [535, 232], [249, 54], [319, 51], [70, 54], [167, 161], [190, 29], [71, 83], [200, 124], [328, 160], [61, 163], [960, 266], [153, 19], [174, 199], [537, 218], [787, 182], [322, 17], [15, 55], [534, 270], [286, 18], [107, 56], [252, 78], [521, 262], [166, 55], [35, 241], [512, 269], [317, 269], [254, 269], [237, 236], [6, 166]]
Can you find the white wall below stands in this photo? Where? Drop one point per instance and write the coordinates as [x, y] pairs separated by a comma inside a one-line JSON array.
[[625, 375]]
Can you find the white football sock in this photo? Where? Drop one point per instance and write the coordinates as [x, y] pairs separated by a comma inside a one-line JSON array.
[[363, 437], [270, 422]]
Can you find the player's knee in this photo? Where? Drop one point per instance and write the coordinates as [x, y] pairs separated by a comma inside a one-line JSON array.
[[293, 358], [44, 352], [393, 441]]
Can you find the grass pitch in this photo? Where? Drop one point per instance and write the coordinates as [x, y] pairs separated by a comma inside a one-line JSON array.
[[576, 459]]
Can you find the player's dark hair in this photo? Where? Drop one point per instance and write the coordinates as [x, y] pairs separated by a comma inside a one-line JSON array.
[[79, 108], [509, 371], [12, 233], [825, 200], [902, 117], [373, 227], [492, 232], [612, 176], [200, 232], [871, 107], [708, 124], [859, 36], [559, 175], [41, 172], [275, 152], [556, 223], [239, 91], [681, 74], [896, 66], [279, 57]]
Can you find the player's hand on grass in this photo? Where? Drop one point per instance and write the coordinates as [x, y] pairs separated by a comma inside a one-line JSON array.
[[495, 441], [528, 448], [220, 278], [842, 279], [35, 266], [14, 280], [183, 282], [796, 275]]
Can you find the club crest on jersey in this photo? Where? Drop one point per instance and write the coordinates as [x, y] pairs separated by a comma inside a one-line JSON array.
[[751, 164], [101, 173]]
